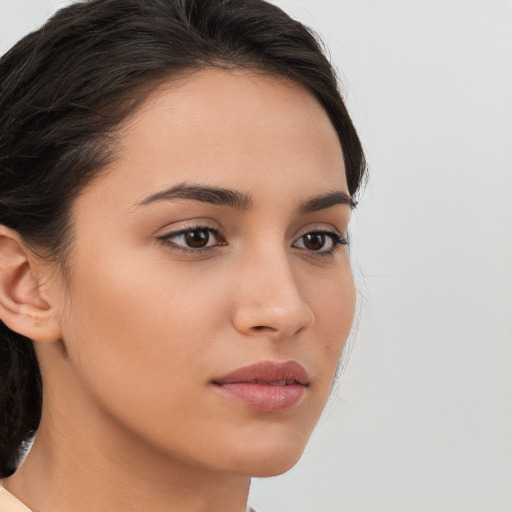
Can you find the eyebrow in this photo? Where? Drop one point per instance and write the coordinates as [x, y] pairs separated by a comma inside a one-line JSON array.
[[241, 201], [212, 195], [326, 201]]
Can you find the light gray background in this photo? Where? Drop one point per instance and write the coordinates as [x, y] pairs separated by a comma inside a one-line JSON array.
[[422, 418]]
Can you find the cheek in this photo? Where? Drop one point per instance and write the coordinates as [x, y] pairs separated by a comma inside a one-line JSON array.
[[145, 323], [334, 306], [140, 334]]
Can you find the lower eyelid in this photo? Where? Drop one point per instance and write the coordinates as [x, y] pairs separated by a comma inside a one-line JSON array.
[[337, 240], [167, 240]]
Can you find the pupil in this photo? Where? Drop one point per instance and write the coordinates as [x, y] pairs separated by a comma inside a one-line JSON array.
[[197, 238], [314, 241]]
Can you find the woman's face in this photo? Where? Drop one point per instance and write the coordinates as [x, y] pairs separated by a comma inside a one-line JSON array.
[[211, 292]]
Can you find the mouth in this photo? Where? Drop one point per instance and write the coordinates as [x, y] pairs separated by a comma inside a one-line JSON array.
[[266, 386]]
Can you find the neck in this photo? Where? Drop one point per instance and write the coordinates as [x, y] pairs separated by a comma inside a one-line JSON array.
[[102, 468]]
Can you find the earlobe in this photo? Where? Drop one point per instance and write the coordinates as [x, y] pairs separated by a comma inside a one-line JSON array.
[[22, 306]]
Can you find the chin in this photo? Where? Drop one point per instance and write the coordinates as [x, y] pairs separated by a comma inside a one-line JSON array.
[[276, 464], [273, 468], [269, 459]]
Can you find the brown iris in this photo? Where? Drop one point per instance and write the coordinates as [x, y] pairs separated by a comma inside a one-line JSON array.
[[197, 238], [314, 241]]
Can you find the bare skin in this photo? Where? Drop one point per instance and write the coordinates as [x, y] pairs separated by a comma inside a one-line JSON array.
[[133, 342]]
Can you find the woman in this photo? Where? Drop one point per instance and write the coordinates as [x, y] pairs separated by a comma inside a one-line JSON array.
[[176, 180]]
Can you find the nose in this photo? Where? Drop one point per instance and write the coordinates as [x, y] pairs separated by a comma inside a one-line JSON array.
[[269, 301]]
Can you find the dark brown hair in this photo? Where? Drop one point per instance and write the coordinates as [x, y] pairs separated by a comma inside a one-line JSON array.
[[65, 89]]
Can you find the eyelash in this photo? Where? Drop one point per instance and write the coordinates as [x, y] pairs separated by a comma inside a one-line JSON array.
[[166, 239], [337, 240]]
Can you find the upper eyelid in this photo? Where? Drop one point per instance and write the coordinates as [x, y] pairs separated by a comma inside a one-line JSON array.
[[338, 238], [166, 240], [167, 237], [182, 231], [188, 225], [218, 229], [333, 233], [324, 228], [330, 233]]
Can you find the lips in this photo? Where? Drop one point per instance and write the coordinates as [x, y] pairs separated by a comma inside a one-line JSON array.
[[266, 386]]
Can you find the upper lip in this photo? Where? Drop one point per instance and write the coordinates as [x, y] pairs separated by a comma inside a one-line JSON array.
[[267, 372]]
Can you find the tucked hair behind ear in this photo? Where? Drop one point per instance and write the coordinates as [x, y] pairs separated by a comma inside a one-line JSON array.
[[20, 396], [66, 88]]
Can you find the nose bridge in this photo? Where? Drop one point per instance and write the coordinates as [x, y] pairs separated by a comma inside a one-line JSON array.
[[269, 297]]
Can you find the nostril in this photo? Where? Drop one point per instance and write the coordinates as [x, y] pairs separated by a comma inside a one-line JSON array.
[[262, 328]]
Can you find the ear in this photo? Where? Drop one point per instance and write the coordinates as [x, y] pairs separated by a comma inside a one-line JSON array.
[[24, 306]]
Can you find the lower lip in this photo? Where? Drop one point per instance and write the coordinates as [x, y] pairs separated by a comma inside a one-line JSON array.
[[262, 397]]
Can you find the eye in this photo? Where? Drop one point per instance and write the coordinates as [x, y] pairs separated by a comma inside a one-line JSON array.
[[323, 242], [196, 239], [193, 239]]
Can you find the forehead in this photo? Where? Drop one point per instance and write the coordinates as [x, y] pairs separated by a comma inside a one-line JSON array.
[[229, 128]]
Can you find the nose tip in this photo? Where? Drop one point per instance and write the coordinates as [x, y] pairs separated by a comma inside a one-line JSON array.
[[276, 309]]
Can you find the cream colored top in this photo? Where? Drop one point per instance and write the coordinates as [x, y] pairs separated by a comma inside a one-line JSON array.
[[8, 503]]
